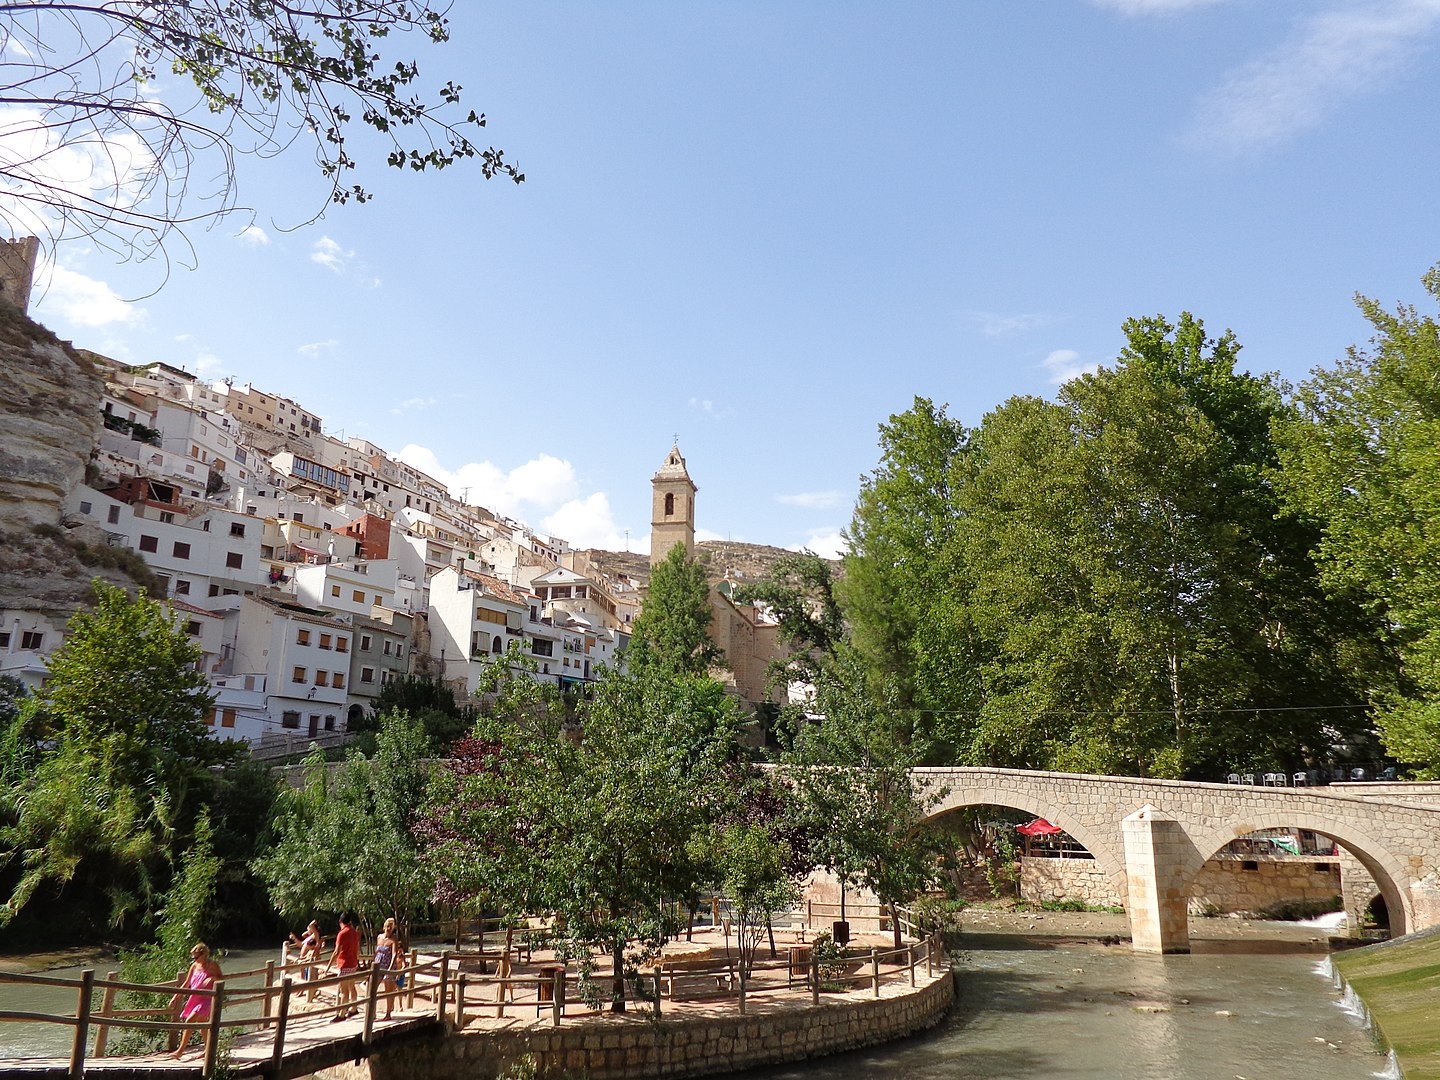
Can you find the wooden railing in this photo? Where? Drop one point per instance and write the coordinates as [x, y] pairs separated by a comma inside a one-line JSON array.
[[424, 977], [455, 994]]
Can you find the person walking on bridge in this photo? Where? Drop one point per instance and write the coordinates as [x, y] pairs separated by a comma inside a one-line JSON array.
[[346, 962], [202, 976]]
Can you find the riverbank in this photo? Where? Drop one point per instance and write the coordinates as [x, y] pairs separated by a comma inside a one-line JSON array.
[[1399, 981], [33, 963], [1105, 928]]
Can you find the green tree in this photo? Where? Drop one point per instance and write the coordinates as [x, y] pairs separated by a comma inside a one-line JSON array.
[[1107, 582], [347, 842], [592, 828], [867, 814], [124, 700], [184, 85], [427, 699], [1361, 460], [799, 592], [671, 633]]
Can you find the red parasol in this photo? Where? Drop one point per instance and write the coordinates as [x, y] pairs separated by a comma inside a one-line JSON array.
[[1038, 827]]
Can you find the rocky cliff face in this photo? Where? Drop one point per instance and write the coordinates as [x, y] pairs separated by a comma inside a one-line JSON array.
[[49, 423], [50, 405]]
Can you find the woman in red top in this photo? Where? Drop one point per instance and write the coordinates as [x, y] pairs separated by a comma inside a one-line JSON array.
[[346, 961]]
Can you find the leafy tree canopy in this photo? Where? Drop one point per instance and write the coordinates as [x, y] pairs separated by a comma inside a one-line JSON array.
[[671, 633], [156, 100], [1361, 459]]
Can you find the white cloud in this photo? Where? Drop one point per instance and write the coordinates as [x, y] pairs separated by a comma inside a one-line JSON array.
[[710, 534], [327, 253], [1062, 365], [414, 404], [254, 236], [542, 484], [813, 500], [208, 365], [310, 350], [993, 324], [828, 543], [590, 523], [83, 300], [1332, 56]]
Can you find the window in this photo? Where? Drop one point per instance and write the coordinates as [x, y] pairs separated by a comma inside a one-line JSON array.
[[364, 642], [298, 675], [322, 678], [329, 721], [234, 560], [325, 640], [181, 550], [542, 647], [335, 590], [113, 515], [669, 504], [302, 637], [4, 639], [227, 718], [399, 649], [342, 644], [149, 543], [290, 719], [205, 525], [193, 629], [237, 528], [338, 681], [387, 648], [214, 590], [32, 639], [167, 518], [367, 674], [85, 507], [358, 596], [182, 587]]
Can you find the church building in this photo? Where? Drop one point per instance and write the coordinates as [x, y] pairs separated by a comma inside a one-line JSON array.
[[743, 634]]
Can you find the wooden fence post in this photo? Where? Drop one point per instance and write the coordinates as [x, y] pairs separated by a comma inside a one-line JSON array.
[[282, 1019], [741, 997], [212, 1042], [557, 998], [929, 965], [814, 982], [442, 985], [460, 1001], [82, 1024], [659, 985], [372, 985], [107, 1005], [265, 1007], [410, 980], [875, 971]]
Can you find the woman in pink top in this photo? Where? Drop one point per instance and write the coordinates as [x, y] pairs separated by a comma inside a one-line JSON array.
[[201, 976]]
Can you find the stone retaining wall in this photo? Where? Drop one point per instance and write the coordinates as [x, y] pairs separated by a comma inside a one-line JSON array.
[[1225, 884], [614, 1047]]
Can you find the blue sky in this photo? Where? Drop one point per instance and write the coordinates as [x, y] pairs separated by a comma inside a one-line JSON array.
[[765, 227]]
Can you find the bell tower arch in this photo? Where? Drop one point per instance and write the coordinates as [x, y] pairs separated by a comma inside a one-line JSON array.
[[672, 508]]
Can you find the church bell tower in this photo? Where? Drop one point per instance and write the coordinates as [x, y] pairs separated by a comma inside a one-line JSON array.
[[672, 508]]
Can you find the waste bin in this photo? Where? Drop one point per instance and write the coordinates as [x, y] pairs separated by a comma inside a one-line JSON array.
[[840, 932]]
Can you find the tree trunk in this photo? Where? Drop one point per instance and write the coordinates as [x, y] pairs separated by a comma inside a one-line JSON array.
[[617, 984], [895, 921]]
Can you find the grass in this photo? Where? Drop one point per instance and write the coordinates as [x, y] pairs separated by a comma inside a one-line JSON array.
[[1399, 981]]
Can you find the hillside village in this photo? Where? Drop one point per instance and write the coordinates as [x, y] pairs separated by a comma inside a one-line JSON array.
[[310, 570]]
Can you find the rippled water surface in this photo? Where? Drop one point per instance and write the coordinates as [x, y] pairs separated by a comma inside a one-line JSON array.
[[1087, 1012]]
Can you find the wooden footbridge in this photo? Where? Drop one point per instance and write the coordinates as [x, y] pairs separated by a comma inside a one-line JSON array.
[[268, 1022]]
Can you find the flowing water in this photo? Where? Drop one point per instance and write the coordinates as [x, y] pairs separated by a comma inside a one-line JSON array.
[[1088, 1012], [1029, 1009]]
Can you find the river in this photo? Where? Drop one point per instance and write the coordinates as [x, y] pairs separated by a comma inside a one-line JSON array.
[[1032, 1007]]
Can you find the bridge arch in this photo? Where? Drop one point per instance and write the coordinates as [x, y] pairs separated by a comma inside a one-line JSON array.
[[1102, 842], [1388, 871]]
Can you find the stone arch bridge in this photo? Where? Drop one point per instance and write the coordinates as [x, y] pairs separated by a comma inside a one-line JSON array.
[[1151, 837]]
